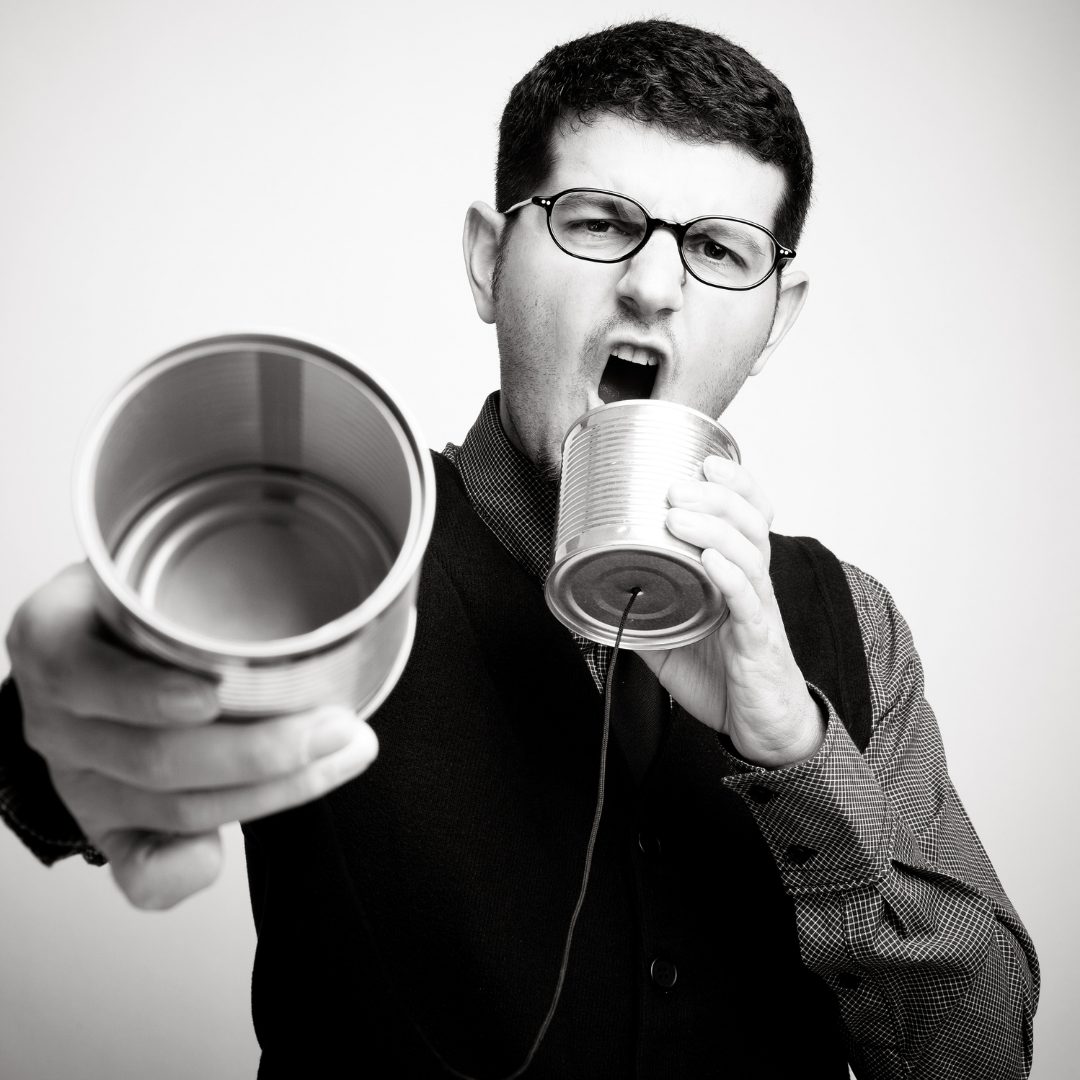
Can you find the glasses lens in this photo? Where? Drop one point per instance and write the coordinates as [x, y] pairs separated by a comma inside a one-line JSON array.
[[729, 253], [597, 225]]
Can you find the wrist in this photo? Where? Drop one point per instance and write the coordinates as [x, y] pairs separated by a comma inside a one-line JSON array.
[[806, 734]]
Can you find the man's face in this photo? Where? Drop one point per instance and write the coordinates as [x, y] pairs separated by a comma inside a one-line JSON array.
[[561, 320]]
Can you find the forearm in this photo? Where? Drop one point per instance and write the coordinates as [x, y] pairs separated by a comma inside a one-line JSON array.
[[931, 979], [933, 970]]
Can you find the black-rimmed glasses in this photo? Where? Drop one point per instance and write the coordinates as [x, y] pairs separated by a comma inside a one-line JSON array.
[[606, 227]]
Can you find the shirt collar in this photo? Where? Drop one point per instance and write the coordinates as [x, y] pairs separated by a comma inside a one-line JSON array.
[[515, 502]]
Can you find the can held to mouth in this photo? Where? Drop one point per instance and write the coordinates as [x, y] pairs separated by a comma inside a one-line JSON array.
[[618, 461], [256, 508]]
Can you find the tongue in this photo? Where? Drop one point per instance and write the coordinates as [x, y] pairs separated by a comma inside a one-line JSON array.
[[622, 380]]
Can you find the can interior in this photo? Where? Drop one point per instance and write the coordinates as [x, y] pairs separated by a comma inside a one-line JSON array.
[[253, 494]]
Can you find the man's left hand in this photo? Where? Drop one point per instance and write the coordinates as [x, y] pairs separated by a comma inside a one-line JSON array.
[[742, 680]]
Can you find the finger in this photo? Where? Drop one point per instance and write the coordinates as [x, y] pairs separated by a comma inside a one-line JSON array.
[[710, 498], [112, 804], [185, 758], [744, 604], [61, 658], [156, 871], [719, 470], [706, 531]]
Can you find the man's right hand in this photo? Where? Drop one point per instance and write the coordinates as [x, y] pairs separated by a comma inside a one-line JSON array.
[[136, 757]]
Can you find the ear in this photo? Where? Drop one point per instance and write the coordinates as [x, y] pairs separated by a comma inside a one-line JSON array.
[[794, 286], [483, 227]]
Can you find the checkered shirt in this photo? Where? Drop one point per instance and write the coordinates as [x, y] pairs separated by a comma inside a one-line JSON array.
[[898, 907]]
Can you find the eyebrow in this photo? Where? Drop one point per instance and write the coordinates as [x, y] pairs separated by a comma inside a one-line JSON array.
[[602, 200], [750, 238]]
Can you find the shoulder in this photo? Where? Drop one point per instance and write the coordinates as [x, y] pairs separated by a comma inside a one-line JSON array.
[[893, 666], [880, 621]]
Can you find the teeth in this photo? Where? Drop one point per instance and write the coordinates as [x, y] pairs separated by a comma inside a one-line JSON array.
[[635, 355]]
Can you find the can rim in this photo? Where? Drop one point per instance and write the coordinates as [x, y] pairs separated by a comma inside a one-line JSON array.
[[610, 406], [330, 634]]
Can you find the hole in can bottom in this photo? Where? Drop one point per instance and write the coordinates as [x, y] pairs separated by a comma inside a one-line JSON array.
[[677, 602]]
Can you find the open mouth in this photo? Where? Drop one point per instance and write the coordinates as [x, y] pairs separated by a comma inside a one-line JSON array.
[[630, 373]]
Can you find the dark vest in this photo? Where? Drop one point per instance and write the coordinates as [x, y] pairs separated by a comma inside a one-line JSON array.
[[425, 904]]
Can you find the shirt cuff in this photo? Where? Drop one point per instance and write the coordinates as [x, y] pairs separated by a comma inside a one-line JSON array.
[[826, 820], [28, 801]]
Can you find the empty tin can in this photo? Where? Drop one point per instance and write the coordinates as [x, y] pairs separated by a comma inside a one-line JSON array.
[[618, 461], [255, 508]]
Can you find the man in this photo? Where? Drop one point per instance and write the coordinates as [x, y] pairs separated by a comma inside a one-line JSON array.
[[783, 877]]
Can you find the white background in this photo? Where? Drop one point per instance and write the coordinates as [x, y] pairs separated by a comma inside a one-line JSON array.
[[170, 169]]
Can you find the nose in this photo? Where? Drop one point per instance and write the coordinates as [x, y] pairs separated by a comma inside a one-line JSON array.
[[654, 278]]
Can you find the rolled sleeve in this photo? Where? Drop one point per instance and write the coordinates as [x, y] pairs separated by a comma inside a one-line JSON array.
[[826, 820]]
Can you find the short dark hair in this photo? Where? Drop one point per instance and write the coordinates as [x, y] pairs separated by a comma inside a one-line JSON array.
[[696, 85]]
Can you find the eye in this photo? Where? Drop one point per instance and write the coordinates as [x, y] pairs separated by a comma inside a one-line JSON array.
[[714, 251], [598, 226]]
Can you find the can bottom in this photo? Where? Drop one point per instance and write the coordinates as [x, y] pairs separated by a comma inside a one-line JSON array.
[[254, 555], [677, 603]]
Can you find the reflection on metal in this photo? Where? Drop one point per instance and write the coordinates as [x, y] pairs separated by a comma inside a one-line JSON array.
[[256, 508], [618, 461]]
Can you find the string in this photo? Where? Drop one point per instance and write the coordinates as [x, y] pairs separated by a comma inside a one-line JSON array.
[[609, 682]]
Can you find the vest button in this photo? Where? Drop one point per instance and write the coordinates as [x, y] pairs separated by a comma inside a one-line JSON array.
[[649, 843], [663, 973]]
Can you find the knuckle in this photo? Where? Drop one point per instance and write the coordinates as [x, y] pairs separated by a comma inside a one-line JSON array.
[[39, 621], [717, 496], [153, 760], [187, 814], [757, 532], [39, 731], [271, 752], [52, 674], [32, 659], [757, 567], [103, 806], [15, 639]]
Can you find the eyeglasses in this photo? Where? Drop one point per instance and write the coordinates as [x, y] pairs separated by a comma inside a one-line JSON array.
[[605, 227]]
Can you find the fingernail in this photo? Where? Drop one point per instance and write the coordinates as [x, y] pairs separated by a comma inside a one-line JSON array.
[[187, 700], [334, 731], [683, 492], [720, 467]]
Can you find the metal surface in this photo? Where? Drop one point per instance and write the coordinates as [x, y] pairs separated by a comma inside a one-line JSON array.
[[256, 508], [618, 461]]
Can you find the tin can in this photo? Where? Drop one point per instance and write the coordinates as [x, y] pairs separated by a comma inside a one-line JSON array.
[[618, 461], [255, 508]]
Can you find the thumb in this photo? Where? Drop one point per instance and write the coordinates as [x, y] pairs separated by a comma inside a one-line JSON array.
[[157, 870]]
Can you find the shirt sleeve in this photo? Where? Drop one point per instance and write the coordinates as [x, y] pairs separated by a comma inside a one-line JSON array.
[[898, 907], [28, 801]]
